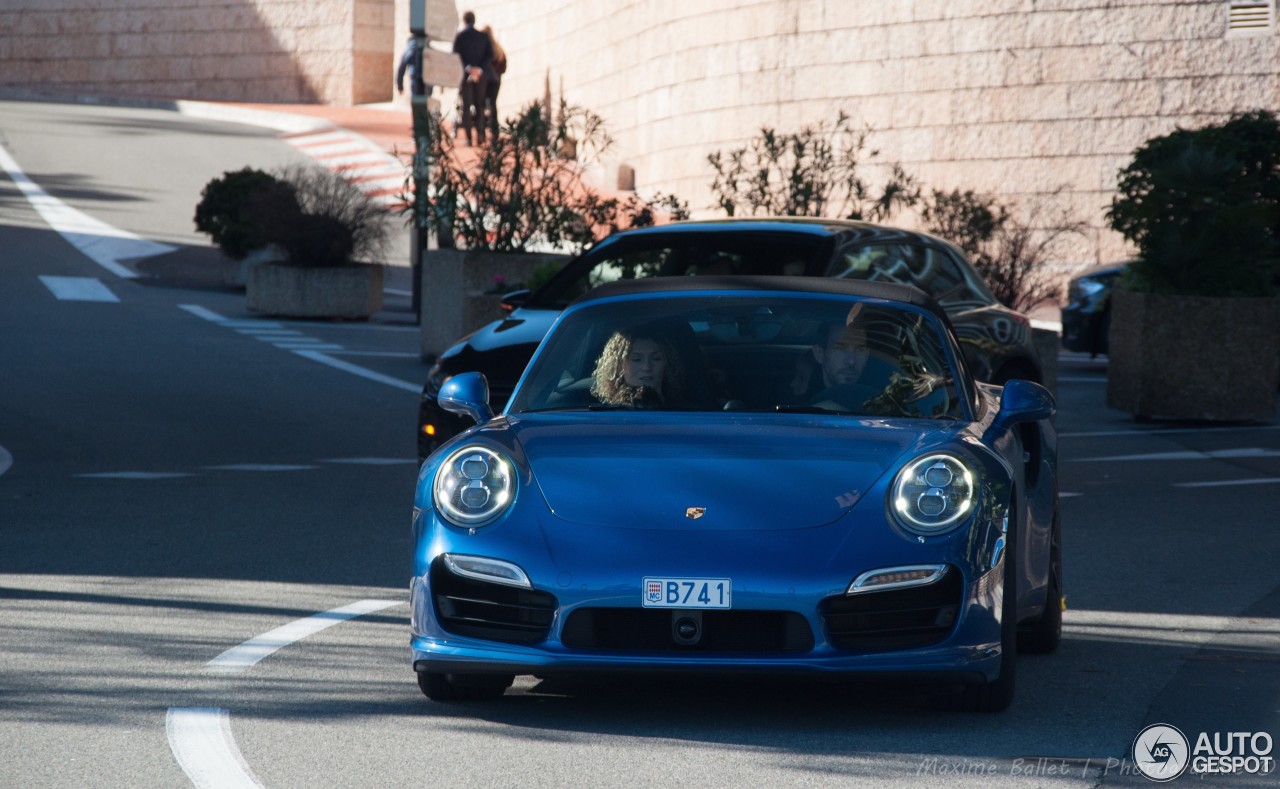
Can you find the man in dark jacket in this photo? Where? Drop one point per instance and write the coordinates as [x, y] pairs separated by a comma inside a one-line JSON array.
[[411, 61], [475, 50]]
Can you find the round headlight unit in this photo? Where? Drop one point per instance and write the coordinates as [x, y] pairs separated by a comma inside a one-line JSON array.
[[474, 486], [934, 494]]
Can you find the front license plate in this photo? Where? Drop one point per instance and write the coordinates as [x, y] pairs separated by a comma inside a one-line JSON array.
[[688, 593]]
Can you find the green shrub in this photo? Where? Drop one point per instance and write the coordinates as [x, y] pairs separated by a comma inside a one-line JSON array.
[[1203, 208], [313, 214], [812, 172], [1011, 250], [226, 211], [320, 220], [525, 189]]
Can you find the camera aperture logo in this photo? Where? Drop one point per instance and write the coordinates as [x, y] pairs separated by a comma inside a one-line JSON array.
[[1160, 752]]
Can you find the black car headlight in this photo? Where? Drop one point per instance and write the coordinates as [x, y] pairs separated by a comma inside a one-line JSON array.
[[934, 494], [474, 486]]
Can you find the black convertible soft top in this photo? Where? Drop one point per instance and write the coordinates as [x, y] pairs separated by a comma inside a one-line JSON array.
[[888, 291]]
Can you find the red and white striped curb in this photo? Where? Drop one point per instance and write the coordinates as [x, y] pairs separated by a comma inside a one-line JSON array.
[[368, 167]]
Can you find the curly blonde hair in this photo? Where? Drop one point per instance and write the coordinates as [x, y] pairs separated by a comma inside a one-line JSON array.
[[609, 384]]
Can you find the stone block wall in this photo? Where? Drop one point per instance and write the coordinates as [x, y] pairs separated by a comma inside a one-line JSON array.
[[332, 51], [1017, 98]]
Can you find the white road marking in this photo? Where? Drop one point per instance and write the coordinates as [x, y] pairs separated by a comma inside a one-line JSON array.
[[372, 461], [315, 345], [200, 737], [256, 332], [320, 138], [1218, 454], [134, 475], [78, 289], [397, 292], [202, 312], [260, 467], [1170, 629], [103, 244], [363, 161], [6, 460], [326, 149], [1228, 483], [1165, 431], [378, 182], [299, 340], [317, 356], [391, 354], [313, 353], [201, 741], [241, 658]]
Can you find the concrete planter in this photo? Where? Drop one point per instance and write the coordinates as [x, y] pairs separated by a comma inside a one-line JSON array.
[[353, 291], [456, 284], [239, 271], [1194, 357]]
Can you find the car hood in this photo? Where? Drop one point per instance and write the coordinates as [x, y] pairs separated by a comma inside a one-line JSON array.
[[525, 326], [729, 473]]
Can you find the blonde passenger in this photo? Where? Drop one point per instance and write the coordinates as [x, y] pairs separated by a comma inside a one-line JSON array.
[[638, 368]]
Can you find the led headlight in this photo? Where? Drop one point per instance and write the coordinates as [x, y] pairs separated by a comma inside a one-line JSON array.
[[933, 494], [473, 486]]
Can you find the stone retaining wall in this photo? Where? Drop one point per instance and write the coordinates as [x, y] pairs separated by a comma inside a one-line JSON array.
[[1009, 97], [332, 51]]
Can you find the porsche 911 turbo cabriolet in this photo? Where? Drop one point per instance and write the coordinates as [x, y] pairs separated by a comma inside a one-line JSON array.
[[777, 475]]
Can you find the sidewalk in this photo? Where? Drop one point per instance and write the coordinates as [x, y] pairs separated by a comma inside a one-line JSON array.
[[370, 145]]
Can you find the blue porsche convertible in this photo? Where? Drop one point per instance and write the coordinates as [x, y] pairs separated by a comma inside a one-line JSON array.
[[741, 474]]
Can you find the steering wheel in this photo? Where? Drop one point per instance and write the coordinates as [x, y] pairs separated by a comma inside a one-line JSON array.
[[845, 397]]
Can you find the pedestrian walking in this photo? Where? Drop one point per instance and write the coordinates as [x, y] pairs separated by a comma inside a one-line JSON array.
[[496, 71], [475, 50], [411, 62]]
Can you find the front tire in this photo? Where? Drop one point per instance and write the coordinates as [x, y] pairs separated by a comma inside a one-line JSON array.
[[1043, 636], [997, 695]]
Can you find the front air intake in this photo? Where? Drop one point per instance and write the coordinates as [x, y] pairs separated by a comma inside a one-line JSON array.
[[494, 612]]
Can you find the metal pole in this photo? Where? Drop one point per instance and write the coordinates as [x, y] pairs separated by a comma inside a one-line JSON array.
[[422, 150]]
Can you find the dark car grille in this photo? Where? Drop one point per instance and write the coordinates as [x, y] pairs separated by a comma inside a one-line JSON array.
[[650, 630], [894, 619], [494, 612]]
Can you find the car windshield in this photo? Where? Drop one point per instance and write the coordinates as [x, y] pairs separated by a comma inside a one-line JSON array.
[[931, 269], [774, 353], [678, 255]]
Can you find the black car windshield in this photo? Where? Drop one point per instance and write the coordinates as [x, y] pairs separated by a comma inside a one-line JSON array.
[[677, 255], [768, 352]]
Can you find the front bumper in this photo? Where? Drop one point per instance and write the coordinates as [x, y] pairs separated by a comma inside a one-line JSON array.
[[967, 650]]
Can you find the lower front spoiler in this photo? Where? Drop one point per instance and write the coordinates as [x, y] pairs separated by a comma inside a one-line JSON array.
[[971, 664]]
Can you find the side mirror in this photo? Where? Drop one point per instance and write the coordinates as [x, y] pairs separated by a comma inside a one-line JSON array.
[[1023, 401], [466, 394], [514, 300]]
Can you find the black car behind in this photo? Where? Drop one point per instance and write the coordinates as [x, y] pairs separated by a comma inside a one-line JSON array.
[[1086, 320]]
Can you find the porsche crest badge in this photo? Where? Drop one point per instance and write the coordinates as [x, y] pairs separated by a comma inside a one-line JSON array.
[[695, 512]]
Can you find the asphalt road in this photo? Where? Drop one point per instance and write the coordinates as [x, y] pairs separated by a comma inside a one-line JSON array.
[[180, 479]]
